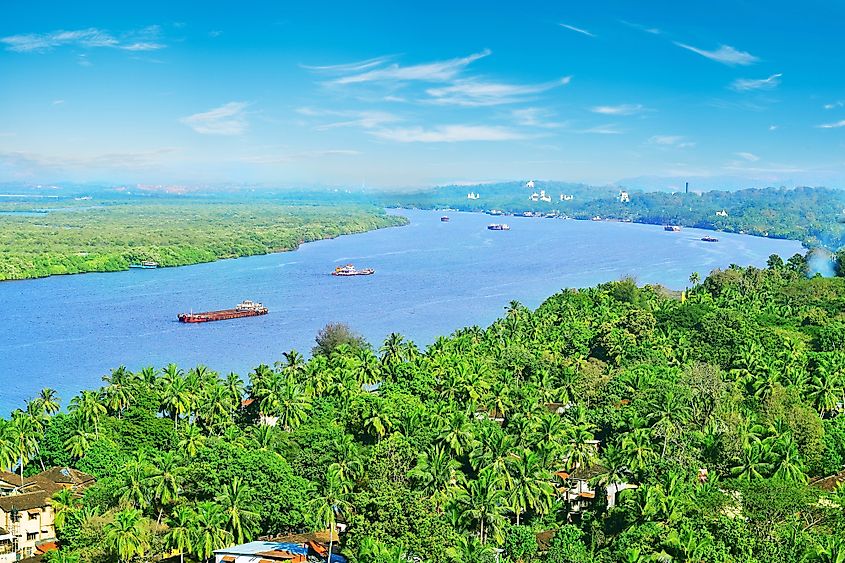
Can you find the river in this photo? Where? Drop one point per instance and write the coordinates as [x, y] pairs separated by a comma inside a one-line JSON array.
[[431, 278]]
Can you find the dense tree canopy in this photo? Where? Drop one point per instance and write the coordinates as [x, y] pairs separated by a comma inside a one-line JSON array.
[[720, 406]]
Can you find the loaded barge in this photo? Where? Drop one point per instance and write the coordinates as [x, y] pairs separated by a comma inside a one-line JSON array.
[[244, 309]]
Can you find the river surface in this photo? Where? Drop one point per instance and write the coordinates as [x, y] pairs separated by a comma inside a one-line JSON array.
[[431, 278]]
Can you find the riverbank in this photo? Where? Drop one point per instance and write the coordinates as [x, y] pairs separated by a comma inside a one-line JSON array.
[[110, 237]]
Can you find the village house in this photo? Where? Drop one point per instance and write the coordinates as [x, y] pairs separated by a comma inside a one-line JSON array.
[[26, 515], [297, 548]]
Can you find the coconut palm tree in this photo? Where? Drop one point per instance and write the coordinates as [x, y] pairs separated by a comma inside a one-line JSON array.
[[482, 501], [135, 477], [191, 440], [49, 400], [125, 536], [88, 407], [118, 393], [530, 485], [64, 502], [438, 473], [165, 478], [176, 395], [180, 530], [326, 507], [209, 530], [235, 501]]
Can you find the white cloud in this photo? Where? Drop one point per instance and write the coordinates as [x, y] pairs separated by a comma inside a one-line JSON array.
[[577, 29], [358, 66], [602, 130], [58, 102], [676, 141], [750, 157], [535, 117], [228, 119], [652, 30], [367, 119], [725, 54], [146, 39], [746, 84], [448, 134], [122, 160], [622, 109], [773, 127], [835, 125], [834, 105], [475, 93], [438, 71]]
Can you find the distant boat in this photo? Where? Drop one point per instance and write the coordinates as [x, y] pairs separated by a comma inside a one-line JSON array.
[[444, 219], [708, 238], [349, 270], [672, 228], [145, 265], [498, 227]]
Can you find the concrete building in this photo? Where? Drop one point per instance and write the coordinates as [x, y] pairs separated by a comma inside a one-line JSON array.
[[26, 515]]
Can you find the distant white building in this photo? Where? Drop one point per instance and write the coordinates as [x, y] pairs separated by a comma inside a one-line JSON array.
[[530, 184], [624, 197], [534, 197], [544, 196], [722, 213], [566, 197], [473, 195]]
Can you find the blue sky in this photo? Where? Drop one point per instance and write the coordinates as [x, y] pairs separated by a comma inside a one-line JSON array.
[[387, 94]]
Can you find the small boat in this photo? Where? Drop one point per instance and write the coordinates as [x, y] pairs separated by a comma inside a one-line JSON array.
[[495, 212], [498, 227], [145, 265], [596, 218], [349, 270], [444, 219], [672, 228], [708, 238]]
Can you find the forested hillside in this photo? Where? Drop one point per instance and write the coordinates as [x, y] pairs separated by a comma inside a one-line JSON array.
[[715, 411]]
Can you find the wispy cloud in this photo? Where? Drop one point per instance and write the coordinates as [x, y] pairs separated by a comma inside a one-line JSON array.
[[746, 84], [228, 119], [834, 105], [676, 141], [448, 134], [475, 93], [375, 71], [750, 157], [358, 66], [621, 109], [725, 54], [602, 130], [146, 39], [652, 30], [117, 160], [58, 102], [835, 125], [535, 117], [576, 29], [366, 119], [773, 127]]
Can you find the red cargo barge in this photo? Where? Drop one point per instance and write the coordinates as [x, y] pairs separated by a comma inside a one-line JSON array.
[[244, 309]]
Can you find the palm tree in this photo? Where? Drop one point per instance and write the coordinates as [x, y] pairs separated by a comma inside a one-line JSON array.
[[77, 444], [49, 400], [192, 440], [125, 536], [135, 477], [326, 507], [23, 432], [438, 473], [210, 531], [753, 464], [235, 388], [180, 528], [530, 486], [88, 407], [64, 503], [694, 278], [482, 501], [176, 397], [118, 393], [240, 518], [165, 476], [670, 411]]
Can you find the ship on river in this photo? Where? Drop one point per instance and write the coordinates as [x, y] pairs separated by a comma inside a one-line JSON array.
[[498, 227], [145, 265], [243, 309], [350, 270]]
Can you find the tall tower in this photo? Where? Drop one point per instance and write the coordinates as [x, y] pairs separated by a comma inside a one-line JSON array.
[[686, 187]]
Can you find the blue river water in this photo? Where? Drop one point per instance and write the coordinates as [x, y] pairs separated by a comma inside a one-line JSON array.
[[431, 278]]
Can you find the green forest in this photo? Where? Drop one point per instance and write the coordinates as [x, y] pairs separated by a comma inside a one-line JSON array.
[[74, 238], [613, 424], [815, 216]]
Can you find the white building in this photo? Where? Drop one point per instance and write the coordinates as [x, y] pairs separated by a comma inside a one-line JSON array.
[[566, 197], [530, 184], [624, 197], [473, 195], [722, 213]]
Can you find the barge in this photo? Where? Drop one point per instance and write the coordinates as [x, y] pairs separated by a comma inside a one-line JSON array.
[[672, 228], [708, 238], [244, 309], [498, 227]]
